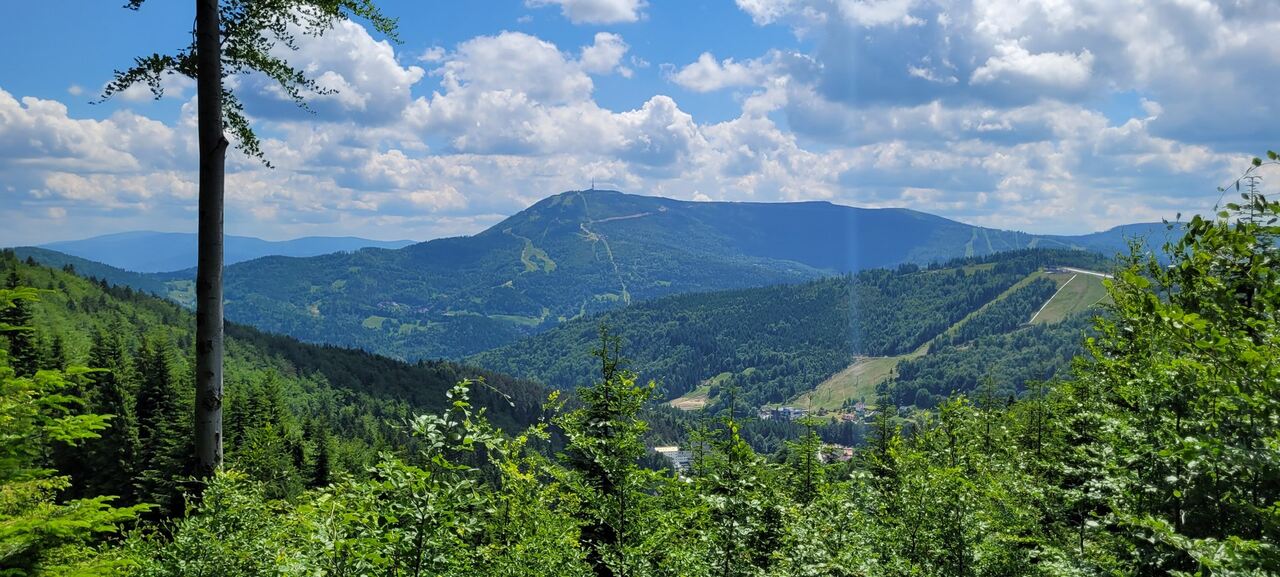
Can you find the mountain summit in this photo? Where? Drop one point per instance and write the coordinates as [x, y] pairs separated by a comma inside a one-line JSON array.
[[582, 252]]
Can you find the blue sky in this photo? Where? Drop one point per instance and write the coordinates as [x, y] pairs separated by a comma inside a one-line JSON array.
[[1041, 115]]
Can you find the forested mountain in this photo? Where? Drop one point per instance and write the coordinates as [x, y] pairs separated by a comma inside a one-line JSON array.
[[1009, 360], [773, 343], [1155, 455], [89, 268], [996, 347], [580, 253], [295, 413], [1151, 234], [148, 251]]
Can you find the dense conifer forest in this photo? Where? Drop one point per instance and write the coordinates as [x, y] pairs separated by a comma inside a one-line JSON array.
[[775, 342], [296, 412], [1155, 455], [580, 253]]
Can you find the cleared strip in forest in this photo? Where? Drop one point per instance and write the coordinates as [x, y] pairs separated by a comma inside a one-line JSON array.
[[624, 217], [968, 246], [1021, 283], [626, 296], [856, 381], [1088, 272], [860, 378], [1086, 291], [1055, 295]]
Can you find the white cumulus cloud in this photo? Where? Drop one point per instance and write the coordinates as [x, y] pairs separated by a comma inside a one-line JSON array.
[[1044, 115], [596, 11], [366, 81], [1012, 62], [706, 74], [605, 55]]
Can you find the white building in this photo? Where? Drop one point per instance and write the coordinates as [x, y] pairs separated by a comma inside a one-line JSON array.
[[679, 458]]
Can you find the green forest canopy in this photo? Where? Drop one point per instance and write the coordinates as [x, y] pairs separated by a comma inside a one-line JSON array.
[[1159, 455]]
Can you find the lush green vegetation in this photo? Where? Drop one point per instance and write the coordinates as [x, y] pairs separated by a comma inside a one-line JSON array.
[[1009, 360], [1159, 455], [1003, 315], [1077, 292], [855, 383], [577, 254], [770, 344], [295, 413], [991, 344], [88, 268]]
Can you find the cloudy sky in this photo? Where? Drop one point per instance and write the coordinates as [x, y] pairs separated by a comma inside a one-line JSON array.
[[1041, 115]]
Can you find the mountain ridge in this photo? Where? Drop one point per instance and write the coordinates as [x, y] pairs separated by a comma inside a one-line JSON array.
[[776, 342], [159, 252], [578, 253]]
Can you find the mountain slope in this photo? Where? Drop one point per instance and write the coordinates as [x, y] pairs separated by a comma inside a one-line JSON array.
[[88, 268], [72, 311], [146, 251], [576, 254], [774, 343], [1116, 239]]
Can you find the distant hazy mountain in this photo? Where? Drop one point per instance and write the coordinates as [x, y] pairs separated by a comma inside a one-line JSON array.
[[582, 252], [145, 251], [1116, 239], [89, 268]]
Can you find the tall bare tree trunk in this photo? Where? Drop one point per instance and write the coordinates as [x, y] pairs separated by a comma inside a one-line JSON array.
[[213, 152]]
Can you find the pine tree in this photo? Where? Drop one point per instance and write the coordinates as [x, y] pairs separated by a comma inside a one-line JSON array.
[[806, 467], [54, 356], [160, 459], [24, 354], [604, 445], [110, 459], [321, 473]]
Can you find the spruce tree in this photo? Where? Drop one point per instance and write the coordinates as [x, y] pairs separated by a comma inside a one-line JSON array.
[[804, 457], [604, 445], [884, 436], [744, 515], [24, 354], [41, 533], [321, 471], [160, 463], [318, 436], [109, 459], [54, 356]]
